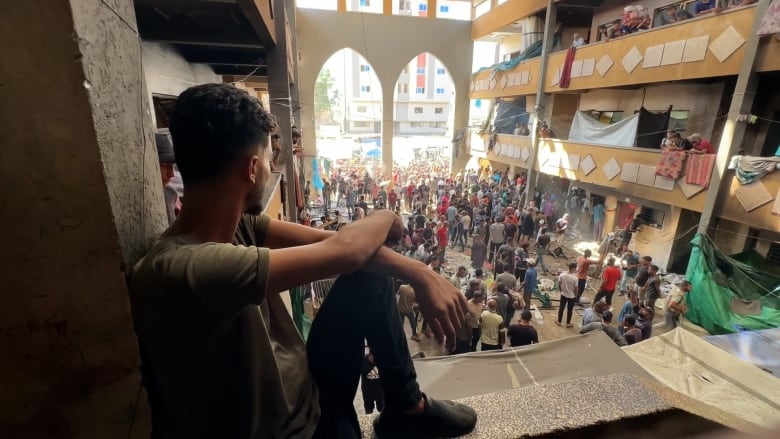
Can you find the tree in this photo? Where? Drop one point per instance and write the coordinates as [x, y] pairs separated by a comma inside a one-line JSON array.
[[325, 97]]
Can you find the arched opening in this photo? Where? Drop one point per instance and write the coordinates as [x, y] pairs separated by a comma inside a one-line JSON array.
[[423, 116], [347, 113]]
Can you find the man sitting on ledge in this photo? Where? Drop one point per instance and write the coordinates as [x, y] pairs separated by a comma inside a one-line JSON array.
[[221, 356]]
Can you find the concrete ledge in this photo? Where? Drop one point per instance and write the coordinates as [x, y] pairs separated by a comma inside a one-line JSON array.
[[611, 406]]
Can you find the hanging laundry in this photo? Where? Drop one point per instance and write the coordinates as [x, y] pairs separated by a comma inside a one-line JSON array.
[[566, 69], [671, 165], [770, 24], [749, 169], [698, 171]]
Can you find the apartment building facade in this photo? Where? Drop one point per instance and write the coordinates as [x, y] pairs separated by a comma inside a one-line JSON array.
[[706, 75]]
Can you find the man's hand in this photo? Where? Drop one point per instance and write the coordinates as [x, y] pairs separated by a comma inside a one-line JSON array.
[[396, 232], [442, 305]]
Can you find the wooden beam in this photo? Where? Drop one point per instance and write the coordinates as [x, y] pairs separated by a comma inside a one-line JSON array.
[[260, 16], [222, 39]]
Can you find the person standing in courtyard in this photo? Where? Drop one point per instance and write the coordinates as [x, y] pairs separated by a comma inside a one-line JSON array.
[[493, 330], [676, 304], [523, 333], [583, 267], [219, 349], [609, 280], [567, 284]]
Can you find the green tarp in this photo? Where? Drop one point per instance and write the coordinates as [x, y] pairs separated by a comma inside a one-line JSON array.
[[717, 280]]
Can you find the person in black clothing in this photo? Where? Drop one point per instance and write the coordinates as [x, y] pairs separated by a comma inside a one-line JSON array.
[[370, 385], [419, 219], [523, 333], [628, 233], [362, 204]]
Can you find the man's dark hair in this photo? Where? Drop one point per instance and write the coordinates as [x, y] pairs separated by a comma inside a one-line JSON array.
[[212, 126], [607, 316], [654, 268], [478, 272], [525, 315], [647, 258], [630, 320]]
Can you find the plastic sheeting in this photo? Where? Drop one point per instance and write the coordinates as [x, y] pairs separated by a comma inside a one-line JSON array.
[[696, 368], [509, 114], [761, 348], [586, 129], [717, 279]]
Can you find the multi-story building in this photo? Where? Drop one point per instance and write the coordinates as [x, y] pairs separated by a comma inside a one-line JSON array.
[[702, 75], [422, 97]]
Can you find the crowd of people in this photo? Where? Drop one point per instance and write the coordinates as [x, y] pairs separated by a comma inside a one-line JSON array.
[[635, 18]]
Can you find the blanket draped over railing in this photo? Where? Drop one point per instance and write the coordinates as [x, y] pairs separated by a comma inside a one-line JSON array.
[[586, 129]]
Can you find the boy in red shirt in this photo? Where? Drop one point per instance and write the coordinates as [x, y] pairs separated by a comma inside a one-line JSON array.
[[609, 280]]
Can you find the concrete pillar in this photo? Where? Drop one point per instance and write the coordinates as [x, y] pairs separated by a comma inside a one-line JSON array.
[[281, 104], [387, 7], [733, 132], [83, 201], [549, 30], [610, 213], [388, 104], [461, 120]]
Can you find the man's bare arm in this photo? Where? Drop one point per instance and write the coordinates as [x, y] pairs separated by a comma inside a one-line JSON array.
[[284, 234], [342, 252]]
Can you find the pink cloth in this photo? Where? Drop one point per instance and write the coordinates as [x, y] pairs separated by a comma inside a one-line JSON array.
[[698, 171], [671, 165]]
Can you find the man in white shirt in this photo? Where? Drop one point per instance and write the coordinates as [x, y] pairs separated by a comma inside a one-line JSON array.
[[567, 284]]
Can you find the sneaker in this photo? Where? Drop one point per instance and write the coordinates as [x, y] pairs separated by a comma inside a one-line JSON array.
[[438, 419]]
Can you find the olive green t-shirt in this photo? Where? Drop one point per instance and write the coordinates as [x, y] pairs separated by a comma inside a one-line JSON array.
[[226, 361]]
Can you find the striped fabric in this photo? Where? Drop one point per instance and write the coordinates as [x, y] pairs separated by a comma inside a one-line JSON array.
[[699, 169]]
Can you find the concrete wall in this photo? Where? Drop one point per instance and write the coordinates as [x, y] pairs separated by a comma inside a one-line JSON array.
[[83, 200], [168, 73], [387, 43]]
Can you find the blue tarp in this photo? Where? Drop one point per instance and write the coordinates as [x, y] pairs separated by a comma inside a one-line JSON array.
[[316, 179], [761, 348]]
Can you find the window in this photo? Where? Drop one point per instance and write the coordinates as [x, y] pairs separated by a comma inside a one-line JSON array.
[[361, 124], [420, 70], [403, 88], [652, 217], [439, 71], [678, 120], [422, 7], [365, 68], [608, 117], [438, 110], [365, 3], [418, 110], [365, 88], [444, 9], [439, 91], [773, 255], [420, 90], [362, 109]]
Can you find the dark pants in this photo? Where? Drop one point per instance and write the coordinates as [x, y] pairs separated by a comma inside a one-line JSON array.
[[607, 294], [412, 320], [491, 347], [476, 334], [494, 249], [360, 306], [581, 283], [461, 346], [651, 302], [373, 395], [569, 304]]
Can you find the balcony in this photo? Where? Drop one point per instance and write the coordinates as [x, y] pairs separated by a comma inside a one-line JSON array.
[[632, 172], [511, 150], [730, 208], [703, 47], [521, 80], [504, 15], [768, 61]]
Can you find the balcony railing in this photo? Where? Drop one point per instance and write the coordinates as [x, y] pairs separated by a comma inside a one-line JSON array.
[[521, 80], [511, 150], [629, 171], [703, 47]]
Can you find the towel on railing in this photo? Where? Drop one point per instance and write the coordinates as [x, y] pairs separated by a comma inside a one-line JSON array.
[[698, 171], [671, 165]]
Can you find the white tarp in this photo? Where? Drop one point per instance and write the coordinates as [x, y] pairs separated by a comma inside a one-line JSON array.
[[696, 368], [586, 129]]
